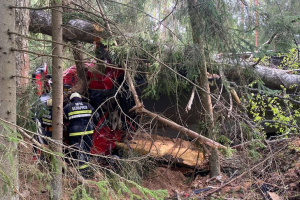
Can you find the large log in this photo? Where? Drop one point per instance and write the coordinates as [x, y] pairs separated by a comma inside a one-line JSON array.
[[74, 29], [272, 77], [162, 148]]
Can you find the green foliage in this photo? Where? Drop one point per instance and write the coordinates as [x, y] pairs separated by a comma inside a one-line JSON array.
[[291, 60], [224, 140], [80, 192], [279, 18], [116, 189], [6, 182], [8, 149], [228, 152], [284, 113], [156, 194], [253, 154]]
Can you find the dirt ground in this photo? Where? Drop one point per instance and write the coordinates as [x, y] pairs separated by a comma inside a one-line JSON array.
[[274, 175]]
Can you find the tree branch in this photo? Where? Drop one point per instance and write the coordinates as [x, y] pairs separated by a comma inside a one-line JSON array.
[[140, 109]]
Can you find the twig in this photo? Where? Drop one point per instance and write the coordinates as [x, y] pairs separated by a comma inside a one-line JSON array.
[[220, 94], [235, 96], [140, 109], [189, 105], [244, 173], [230, 107], [160, 22], [177, 194], [239, 146], [279, 122], [105, 20], [267, 42]]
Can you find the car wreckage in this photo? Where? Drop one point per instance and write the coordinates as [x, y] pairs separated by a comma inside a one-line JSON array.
[[115, 123]]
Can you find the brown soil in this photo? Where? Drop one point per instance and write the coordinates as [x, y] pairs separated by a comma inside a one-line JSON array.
[[276, 178]]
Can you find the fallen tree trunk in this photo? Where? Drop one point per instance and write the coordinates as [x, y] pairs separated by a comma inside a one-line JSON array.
[[274, 78], [172, 150], [73, 30]]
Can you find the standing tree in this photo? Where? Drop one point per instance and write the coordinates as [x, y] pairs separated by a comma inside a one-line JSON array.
[[22, 58], [57, 113], [197, 25], [8, 148]]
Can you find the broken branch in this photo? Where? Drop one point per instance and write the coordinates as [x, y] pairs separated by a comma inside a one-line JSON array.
[[189, 105], [140, 109]]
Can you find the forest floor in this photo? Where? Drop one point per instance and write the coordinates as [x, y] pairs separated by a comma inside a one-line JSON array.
[[273, 172]]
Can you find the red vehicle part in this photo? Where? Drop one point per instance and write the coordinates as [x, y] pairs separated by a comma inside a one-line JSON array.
[[96, 79], [39, 84], [70, 76], [103, 138], [103, 81], [40, 80]]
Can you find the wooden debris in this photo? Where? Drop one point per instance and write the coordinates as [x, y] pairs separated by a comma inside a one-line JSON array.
[[175, 150], [189, 105], [235, 96], [274, 196], [139, 108]]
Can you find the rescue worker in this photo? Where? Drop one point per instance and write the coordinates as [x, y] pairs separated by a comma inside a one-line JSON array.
[[44, 122], [47, 120], [80, 130]]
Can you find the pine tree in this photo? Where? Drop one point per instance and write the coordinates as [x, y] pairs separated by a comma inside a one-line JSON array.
[[8, 148], [57, 96]]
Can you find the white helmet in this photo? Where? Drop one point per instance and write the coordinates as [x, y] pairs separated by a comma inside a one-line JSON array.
[[75, 94], [49, 102]]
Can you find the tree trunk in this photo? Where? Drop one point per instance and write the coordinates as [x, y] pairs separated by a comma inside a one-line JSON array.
[[8, 150], [273, 78], [73, 30], [81, 86], [22, 58], [57, 108], [196, 24]]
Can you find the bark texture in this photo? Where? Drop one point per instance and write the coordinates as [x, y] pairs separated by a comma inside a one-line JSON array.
[[8, 150], [57, 108], [198, 38], [73, 30], [82, 84], [22, 58], [273, 78]]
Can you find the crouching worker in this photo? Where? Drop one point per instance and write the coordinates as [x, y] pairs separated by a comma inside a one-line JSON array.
[[81, 119], [47, 120], [45, 129]]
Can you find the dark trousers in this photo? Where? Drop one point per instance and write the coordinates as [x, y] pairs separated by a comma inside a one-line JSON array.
[[82, 145]]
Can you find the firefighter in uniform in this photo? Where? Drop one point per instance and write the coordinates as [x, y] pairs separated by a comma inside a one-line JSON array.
[[80, 129], [45, 128], [47, 120]]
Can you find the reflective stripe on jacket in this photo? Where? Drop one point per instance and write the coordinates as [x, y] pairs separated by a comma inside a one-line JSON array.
[[79, 114], [46, 120]]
